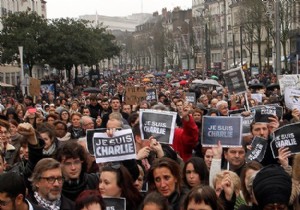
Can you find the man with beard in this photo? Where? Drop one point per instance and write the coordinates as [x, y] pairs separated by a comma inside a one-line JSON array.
[[47, 181], [13, 192]]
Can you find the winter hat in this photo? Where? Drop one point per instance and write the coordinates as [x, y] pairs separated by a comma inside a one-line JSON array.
[[272, 185]]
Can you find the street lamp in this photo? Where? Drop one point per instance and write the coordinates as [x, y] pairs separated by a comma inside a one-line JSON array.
[[22, 69], [188, 45]]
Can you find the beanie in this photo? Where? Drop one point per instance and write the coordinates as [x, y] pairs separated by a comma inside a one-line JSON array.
[[272, 185]]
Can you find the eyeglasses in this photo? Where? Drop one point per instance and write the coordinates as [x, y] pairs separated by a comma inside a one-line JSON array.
[[90, 123], [5, 203], [51, 179], [3, 132], [75, 163]]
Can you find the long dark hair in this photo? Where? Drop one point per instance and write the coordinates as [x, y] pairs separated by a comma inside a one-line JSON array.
[[203, 193], [126, 183], [200, 168], [168, 163]]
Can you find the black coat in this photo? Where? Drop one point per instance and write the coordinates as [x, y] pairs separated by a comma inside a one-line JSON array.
[[66, 204]]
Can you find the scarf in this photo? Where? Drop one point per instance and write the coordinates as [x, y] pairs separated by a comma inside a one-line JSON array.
[[50, 205], [51, 150]]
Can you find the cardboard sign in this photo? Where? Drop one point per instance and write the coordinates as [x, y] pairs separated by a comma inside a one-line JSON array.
[[262, 113], [34, 87], [228, 130], [151, 95], [119, 147], [135, 95], [286, 136], [235, 81], [115, 203], [292, 98], [190, 97], [159, 124], [259, 146]]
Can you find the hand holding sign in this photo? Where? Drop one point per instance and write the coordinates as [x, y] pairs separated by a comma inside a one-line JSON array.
[[283, 156], [227, 186], [296, 114], [273, 123], [217, 151], [143, 153], [156, 146]]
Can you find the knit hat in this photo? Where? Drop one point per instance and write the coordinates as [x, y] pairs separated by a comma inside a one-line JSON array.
[[272, 185]]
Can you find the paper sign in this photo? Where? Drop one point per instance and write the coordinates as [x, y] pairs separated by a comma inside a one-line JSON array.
[[119, 147], [228, 130], [292, 98], [157, 123], [151, 95], [262, 113], [286, 136], [235, 81], [190, 97], [288, 80], [259, 146], [115, 203]]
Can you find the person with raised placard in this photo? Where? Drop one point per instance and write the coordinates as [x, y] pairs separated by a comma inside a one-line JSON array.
[[185, 138]]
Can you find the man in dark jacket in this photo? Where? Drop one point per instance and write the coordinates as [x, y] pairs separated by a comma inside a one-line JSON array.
[[13, 192], [47, 181]]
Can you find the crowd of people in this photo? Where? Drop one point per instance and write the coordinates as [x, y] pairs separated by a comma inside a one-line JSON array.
[[45, 162]]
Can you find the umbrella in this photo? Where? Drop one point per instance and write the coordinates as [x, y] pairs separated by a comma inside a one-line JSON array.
[[159, 74], [183, 82], [197, 81], [273, 86], [158, 81], [91, 90], [214, 77], [149, 76], [146, 80], [168, 75], [256, 86], [210, 82], [174, 80]]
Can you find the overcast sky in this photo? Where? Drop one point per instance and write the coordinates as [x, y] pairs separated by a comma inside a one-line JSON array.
[[75, 8]]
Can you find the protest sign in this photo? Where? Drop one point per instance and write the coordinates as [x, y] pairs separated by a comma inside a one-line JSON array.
[[263, 112], [34, 87], [190, 97], [247, 120], [292, 98], [119, 147], [286, 136], [159, 124], [114, 203], [235, 81], [134, 95], [257, 97], [259, 146], [151, 95], [228, 130], [288, 80]]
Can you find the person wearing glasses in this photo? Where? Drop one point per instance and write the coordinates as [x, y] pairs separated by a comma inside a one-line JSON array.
[[47, 181], [13, 193]]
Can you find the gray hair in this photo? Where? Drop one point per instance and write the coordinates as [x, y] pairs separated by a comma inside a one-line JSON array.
[[160, 106], [43, 165], [221, 103]]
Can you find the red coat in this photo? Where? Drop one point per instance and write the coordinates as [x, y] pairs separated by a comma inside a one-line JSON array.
[[186, 138]]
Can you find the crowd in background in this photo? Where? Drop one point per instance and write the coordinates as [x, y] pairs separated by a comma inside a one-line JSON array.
[[45, 163]]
